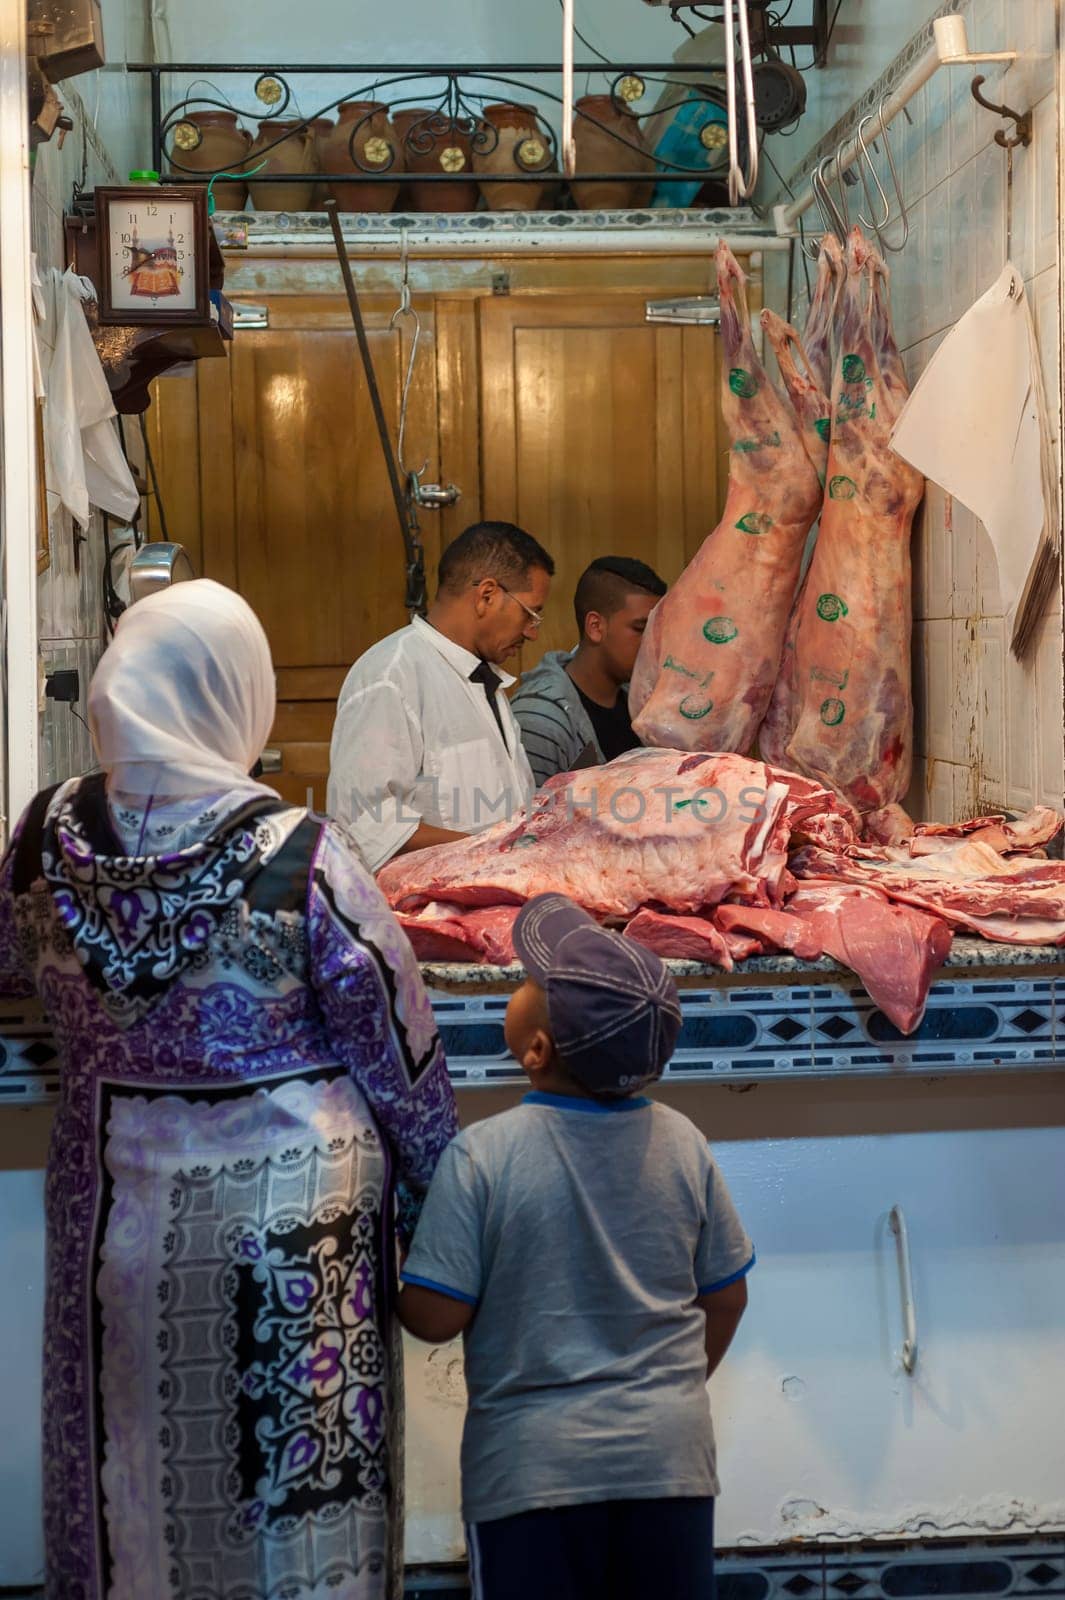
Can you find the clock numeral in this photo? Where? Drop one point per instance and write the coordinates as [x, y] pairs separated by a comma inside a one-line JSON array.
[[181, 255], [126, 237], [133, 216], [180, 238], [152, 209]]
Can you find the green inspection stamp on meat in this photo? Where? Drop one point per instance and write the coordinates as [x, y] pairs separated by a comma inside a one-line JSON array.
[[720, 630], [743, 383], [830, 607], [756, 523]]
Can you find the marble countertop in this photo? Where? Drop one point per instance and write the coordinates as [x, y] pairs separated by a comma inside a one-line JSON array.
[[969, 958]]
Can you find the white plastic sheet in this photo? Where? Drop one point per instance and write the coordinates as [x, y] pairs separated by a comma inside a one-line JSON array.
[[976, 424]]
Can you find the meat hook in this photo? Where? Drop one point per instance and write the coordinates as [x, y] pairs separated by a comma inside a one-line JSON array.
[[1023, 120]]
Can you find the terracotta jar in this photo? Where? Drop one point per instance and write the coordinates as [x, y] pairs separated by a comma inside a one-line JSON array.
[[295, 154], [378, 148], [522, 148], [223, 147], [448, 151], [597, 133]]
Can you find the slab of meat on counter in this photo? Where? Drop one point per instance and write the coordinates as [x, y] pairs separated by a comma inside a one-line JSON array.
[[709, 657], [854, 712], [894, 949], [655, 827], [1009, 899], [716, 858]]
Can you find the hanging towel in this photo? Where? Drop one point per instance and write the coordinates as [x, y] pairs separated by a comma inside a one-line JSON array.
[[977, 424], [86, 466]]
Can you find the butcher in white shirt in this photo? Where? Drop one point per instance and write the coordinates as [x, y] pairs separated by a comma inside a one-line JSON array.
[[425, 747]]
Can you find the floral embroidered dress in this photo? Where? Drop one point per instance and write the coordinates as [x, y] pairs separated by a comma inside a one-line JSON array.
[[251, 1082]]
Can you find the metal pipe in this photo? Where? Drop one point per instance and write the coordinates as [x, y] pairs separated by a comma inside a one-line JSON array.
[[18, 402], [499, 247], [415, 561], [542, 176], [157, 121], [786, 218], [569, 148], [909, 1308], [448, 69]]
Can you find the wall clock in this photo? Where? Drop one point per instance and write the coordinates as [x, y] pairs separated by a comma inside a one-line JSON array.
[[153, 255]]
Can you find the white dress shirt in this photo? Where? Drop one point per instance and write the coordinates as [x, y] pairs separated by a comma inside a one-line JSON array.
[[415, 741]]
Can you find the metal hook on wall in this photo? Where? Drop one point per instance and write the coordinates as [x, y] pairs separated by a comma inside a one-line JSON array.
[[1022, 120], [867, 171], [903, 216], [831, 215]]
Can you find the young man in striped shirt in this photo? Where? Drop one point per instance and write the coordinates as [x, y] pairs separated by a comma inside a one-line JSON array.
[[572, 708]]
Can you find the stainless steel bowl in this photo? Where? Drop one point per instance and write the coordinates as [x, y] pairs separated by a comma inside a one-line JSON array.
[[157, 566]]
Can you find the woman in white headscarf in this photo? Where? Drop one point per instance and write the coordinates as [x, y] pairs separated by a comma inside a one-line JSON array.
[[253, 1098]]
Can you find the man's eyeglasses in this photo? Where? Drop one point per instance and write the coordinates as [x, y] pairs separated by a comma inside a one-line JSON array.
[[536, 618]]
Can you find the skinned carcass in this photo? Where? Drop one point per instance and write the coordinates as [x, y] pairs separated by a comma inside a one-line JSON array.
[[710, 655], [657, 828], [809, 395], [819, 332], [853, 711]]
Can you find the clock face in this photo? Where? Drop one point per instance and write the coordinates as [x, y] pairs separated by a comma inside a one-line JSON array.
[[152, 245]]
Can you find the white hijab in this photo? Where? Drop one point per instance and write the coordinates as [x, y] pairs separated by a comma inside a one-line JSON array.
[[183, 700]]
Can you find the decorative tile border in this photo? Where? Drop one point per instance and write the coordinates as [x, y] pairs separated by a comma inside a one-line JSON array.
[[990, 1569], [249, 227], [798, 1027], [808, 1031]]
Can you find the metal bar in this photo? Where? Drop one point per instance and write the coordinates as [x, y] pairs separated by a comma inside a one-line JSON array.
[[444, 177], [18, 401], [569, 149], [390, 69], [411, 546], [157, 121], [909, 1308], [471, 245]]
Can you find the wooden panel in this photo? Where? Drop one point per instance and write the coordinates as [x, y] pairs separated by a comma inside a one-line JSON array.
[[304, 719], [586, 438], [459, 418], [310, 683]]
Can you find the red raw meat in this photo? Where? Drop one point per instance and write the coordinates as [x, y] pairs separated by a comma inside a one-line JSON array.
[[818, 334], [854, 714], [890, 825], [966, 883], [893, 949], [1036, 828], [654, 828], [441, 932], [814, 410], [709, 657], [776, 929], [681, 938], [741, 947]]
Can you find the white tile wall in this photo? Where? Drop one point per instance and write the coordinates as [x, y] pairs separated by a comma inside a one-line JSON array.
[[70, 616], [989, 730]]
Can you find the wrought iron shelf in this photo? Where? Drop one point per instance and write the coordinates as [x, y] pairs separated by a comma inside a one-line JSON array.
[[455, 98]]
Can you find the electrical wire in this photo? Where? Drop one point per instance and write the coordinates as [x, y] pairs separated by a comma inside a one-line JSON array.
[[677, 18], [828, 37], [81, 719], [577, 34], [160, 508], [802, 236]]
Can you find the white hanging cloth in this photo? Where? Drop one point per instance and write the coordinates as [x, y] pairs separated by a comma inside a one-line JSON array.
[[85, 463], [977, 424]]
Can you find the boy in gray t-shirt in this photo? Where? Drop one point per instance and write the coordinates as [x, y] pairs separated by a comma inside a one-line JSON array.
[[586, 1245]]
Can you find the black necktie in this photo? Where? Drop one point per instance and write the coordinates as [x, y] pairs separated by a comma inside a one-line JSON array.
[[491, 682]]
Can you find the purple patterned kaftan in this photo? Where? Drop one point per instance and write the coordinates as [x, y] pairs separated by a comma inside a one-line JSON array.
[[251, 1077]]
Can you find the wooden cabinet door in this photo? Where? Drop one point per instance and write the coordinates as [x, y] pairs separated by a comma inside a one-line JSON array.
[[600, 435], [272, 473]]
